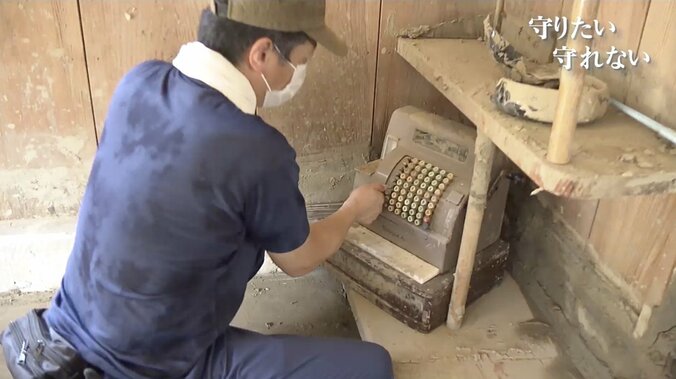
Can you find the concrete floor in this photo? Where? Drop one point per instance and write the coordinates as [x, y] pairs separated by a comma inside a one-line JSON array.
[[314, 305], [499, 339]]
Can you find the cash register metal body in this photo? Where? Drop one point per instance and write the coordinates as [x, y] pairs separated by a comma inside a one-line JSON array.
[[404, 261]]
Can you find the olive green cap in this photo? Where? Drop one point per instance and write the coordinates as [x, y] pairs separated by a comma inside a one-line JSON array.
[[285, 16]]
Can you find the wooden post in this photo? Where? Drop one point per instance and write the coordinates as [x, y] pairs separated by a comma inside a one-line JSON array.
[[570, 88], [497, 17], [484, 150]]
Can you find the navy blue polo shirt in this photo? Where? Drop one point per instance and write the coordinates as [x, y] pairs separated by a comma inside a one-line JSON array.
[[185, 194]]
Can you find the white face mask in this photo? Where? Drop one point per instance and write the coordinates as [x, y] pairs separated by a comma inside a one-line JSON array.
[[275, 98]]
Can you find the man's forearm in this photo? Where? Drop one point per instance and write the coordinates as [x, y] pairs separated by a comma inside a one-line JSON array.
[[325, 238], [327, 235]]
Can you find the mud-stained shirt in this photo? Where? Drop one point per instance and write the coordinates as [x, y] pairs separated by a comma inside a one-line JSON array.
[[186, 193]]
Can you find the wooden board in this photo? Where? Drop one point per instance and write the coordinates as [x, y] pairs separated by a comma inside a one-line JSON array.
[[463, 71], [399, 259], [121, 34], [637, 240], [516, 30], [335, 105], [46, 127], [397, 84]]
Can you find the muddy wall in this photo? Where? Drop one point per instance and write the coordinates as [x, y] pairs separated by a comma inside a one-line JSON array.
[[63, 58]]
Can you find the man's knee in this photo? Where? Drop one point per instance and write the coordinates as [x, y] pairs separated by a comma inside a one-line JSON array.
[[379, 361]]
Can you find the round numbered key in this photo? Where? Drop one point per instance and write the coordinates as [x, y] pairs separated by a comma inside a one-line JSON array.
[[449, 176], [392, 201], [410, 219], [435, 169], [421, 163], [417, 222], [422, 208], [423, 202], [396, 189], [402, 176], [407, 202], [438, 178], [427, 195], [423, 185], [404, 215], [399, 182], [428, 166], [430, 205], [390, 208], [417, 198], [442, 172], [397, 211], [446, 180], [434, 199], [437, 192], [416, 182], [431, 174], [442, 186], [414, 160], [410, 195], [400, 198], [405, 186], [429, 212], [419, 215], [398, 205], [411, 212], [435, 183], [419, 192], [427, 179], [404, 208], [417, 169], [409, 179]]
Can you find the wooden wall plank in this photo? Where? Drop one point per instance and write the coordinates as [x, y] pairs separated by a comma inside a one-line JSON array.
[[578, 214], [46, 126], [397, 84], [629, 17], [121, 34], [516, 30], [335, 106], [636, 239], [635, 236], [652, 84]]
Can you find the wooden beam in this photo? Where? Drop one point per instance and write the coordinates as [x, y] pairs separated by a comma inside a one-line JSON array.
[[570, 91], [484, 151]]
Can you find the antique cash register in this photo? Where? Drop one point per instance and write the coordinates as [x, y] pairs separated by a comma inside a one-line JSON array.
[[404, 261]]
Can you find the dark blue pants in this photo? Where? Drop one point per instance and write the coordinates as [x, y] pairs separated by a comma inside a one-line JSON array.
[[242, 354]]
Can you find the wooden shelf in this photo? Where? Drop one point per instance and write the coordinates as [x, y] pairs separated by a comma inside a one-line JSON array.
[[612, 157]]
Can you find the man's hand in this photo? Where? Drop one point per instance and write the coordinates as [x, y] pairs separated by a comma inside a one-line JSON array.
[[364, 205], [366, 202]]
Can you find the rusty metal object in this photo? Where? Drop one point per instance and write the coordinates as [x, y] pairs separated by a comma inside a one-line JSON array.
[[422, 307]]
